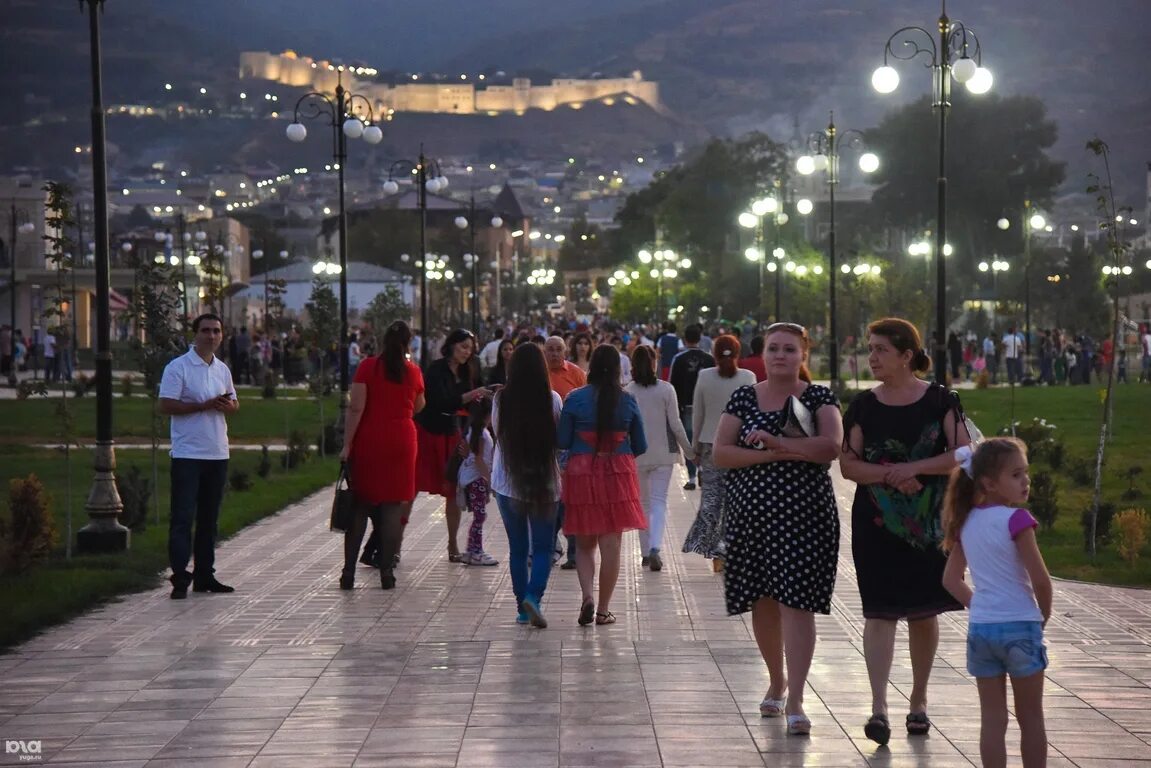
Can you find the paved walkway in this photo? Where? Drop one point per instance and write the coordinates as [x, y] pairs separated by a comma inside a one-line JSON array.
[[290, 671]]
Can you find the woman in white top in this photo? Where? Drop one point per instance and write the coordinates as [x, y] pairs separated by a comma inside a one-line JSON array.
[[525, 476], [713, 390], [659, 408]]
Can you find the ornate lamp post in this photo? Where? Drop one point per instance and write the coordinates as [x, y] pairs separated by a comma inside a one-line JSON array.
[[258, 254], [471, 258], [994, 267], [664, 263], [345, 124], [428, 179], [18, 224], [753, 219], [103, 533], [955, 53], [825, 146], [1031, 221]]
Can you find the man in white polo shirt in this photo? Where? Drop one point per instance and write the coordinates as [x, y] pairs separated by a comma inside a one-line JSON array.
[[197, 392]]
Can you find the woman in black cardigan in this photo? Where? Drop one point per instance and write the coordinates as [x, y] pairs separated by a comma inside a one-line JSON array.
[[449, 386]]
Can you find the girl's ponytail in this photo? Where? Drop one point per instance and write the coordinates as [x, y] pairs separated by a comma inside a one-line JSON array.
[[957, 506]]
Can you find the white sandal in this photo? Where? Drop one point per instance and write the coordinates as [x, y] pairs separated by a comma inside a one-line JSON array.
[[771, 707]]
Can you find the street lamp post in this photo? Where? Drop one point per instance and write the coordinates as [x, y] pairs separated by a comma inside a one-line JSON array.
[[258, 254], [18, 224], [103, 533], [664, 263], [425, 183], [994, 267], [825, 146], [955, 40], [753, 219], [345, 124], [1030, 221], [471, 258]]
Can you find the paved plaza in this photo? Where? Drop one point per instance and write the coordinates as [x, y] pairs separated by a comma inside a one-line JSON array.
[[290, 671]]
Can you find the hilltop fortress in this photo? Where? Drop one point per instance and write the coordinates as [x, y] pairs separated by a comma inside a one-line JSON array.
[[466, 97]]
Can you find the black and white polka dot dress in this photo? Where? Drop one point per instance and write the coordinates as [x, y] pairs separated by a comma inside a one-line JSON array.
[[782, 531]]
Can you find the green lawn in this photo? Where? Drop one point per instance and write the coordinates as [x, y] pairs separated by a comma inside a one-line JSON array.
[[59, 589], [1076, 413], [258, 421]]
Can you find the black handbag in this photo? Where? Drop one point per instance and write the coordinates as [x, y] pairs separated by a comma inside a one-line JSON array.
[[343, 504]]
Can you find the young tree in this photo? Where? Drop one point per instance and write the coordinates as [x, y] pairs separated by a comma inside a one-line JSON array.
[[157, 310], [386, 307], [1118, 253], [59, 222], [322, 334]]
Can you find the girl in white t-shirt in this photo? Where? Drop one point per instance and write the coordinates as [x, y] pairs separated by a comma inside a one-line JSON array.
[[475, 479], [987, 531]]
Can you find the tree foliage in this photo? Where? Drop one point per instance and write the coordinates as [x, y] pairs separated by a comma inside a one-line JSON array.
[[386, 307], [996, 159]]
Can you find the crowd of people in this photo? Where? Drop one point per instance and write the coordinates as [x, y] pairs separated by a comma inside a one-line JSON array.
[[570, 440], [1055, 357]]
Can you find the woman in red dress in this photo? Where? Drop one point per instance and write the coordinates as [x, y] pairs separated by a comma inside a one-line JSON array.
[[451, 386], [380, 446]]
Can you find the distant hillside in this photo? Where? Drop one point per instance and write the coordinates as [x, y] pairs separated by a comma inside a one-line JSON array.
[[735, 65], [728, 65]]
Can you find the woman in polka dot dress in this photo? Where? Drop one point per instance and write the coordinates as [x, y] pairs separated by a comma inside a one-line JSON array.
[[782, 531]]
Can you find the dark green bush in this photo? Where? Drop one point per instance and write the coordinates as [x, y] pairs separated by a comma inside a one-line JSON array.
[[1044, 500], [135, 491], [239, 480], [264, 468], [1102, 524], [298, 450]]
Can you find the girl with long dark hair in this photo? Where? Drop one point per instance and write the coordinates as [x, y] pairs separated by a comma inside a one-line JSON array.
[[499, 372], [525, 476], [380, 446], [451, 385], [602, 427], [581, 347]]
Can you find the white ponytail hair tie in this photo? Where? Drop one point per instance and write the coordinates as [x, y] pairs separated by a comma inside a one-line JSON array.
[[963, 456]]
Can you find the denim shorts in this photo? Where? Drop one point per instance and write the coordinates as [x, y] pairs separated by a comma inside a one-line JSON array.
[[1014, 648]]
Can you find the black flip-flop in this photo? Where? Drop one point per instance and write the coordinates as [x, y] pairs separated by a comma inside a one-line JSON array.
[[586, 613], [918, 724], [878, 729]]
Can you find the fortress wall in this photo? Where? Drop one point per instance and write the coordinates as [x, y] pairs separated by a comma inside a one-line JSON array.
[[304, 72]]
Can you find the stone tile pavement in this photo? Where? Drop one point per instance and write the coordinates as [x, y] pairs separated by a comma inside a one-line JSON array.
[[290, 671]]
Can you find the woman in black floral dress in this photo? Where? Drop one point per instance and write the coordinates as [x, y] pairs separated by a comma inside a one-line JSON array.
[[899, 448], [782, 531]]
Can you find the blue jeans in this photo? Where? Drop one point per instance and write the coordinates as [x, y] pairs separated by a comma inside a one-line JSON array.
[[541, 532], [197, 492], [685, 417]]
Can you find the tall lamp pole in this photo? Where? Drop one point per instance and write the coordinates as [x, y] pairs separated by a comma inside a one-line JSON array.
[[18, 223], [955, 42], [103, 533], [428, 179], [772, 206], [345, 124], [825, 146], [472, 259]]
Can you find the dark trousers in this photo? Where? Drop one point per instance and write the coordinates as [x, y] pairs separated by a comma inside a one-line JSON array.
[[387, 528], [197, 492]]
